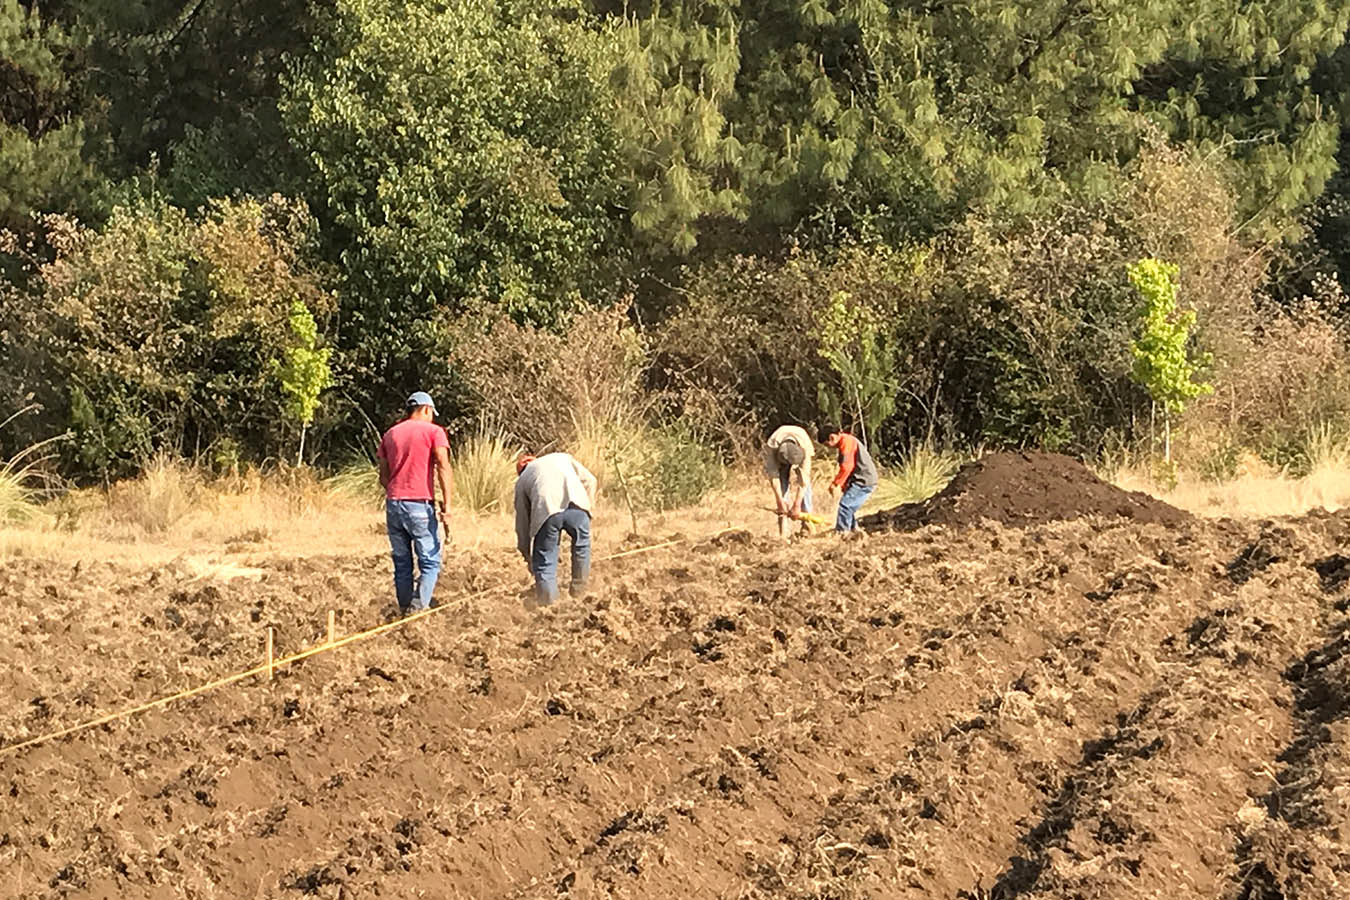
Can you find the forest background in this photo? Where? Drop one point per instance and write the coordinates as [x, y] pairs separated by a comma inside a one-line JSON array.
[[243, 232]]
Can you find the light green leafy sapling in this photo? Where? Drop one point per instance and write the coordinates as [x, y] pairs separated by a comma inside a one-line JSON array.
[[1162, 364], [305, 373], [851, 341]]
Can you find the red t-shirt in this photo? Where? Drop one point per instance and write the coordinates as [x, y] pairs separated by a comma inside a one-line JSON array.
[[410, 449]]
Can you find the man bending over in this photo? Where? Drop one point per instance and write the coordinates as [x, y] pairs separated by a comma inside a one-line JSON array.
[[554, 495]]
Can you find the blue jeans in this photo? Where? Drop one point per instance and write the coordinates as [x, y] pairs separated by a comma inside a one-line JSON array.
[[413, 529], [544, 557], [854, 496]]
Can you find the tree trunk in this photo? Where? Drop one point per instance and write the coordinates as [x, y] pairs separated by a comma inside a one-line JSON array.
[[300, 454], [1152, 427], [862, 422]]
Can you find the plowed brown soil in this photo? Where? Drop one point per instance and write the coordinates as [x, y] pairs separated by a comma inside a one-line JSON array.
[[1021, 489], [1096, 708]]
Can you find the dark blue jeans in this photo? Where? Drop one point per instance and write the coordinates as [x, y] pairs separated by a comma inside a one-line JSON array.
[[547, 543], [854, 496], [413, 529]]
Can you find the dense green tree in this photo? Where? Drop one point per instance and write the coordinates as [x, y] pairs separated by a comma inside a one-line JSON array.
[[188, 90], [462, 153]]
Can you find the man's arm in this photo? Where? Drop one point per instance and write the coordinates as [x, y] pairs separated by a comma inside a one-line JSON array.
[[445, 478], [848, 461], [384, 472], [587, 480], [522, 519]]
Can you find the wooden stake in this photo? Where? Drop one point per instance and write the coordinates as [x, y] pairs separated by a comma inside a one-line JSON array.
[[270, 671], [332, 626]]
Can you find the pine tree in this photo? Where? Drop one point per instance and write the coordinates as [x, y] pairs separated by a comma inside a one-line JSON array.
[[41, 134], [870, 117]]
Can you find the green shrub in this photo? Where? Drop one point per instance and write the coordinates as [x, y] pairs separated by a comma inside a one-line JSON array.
[[1220, 464], [681, 470], [167, 333]]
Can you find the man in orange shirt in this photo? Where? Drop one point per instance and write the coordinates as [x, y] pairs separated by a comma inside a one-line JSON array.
[[856, 478]]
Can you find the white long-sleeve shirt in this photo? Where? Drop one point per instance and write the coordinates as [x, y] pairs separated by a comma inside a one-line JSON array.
[[549, 485]]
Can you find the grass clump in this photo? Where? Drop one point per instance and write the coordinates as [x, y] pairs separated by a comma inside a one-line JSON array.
[[19, 497], [18, 500], [1326, 448], [484, 468], [159, 498], [359, 482], [923, 472]]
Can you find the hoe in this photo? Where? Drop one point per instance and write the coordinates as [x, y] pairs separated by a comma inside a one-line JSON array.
[[808, 518]]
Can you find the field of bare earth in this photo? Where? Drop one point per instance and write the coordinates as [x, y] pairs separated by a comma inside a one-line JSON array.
[[1033, 685]]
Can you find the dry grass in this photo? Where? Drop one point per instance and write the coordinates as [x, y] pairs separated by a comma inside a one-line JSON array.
[[176, 512], [1257, 491], [19, 477], [485, 473]]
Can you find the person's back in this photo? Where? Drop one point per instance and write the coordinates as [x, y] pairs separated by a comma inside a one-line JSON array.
[[550, 484], [787, 463], [795, 434], [414, 455], [554, 494], [409, 448]]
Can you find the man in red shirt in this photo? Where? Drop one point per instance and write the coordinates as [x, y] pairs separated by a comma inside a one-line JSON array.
[[409, 453]]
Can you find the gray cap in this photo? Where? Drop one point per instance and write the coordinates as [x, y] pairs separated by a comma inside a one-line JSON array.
[[420, 398]]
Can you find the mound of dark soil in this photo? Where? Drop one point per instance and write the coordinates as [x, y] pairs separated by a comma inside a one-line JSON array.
[[1024, 489]]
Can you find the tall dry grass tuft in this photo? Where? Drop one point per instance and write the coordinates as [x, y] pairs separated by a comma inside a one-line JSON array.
[[484, 469], [159, 498], [1326, 449], [19, 498], [923, 472], [357, 483], [616, 452], [18, 504]]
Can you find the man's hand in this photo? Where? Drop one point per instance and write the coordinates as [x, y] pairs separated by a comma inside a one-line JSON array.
[[834, 490], [782, 506]]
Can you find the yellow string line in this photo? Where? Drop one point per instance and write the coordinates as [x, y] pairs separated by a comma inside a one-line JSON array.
[[238, 676], [286, 660]]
